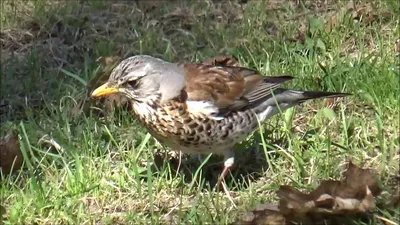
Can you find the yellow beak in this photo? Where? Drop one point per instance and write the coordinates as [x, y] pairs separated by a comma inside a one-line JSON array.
[[103, 90]]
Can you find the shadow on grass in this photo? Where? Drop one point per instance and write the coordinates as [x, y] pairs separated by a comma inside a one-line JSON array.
[[250, 164]]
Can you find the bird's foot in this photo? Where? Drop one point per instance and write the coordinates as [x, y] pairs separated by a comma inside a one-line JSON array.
[[221, 185]]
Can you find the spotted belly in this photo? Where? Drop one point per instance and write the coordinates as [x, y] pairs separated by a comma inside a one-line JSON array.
[[192, 134]]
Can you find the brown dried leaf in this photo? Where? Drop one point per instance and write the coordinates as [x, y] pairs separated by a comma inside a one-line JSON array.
[[364, 13], [263, 214], [354, 194], [355, 181], [395, 199], [108, 61], [335, 20], [148, 6], [225, 60], [329, 102], [331, 23], [330, 202], [301, 34], [108, 64], [11, 158]]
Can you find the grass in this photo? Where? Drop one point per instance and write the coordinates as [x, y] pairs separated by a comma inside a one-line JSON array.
[[110, 171]]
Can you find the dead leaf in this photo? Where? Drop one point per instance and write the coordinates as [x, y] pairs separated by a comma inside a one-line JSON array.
[[11, 156], [355, 194], [364, 13], [394, 201], [263, 214], [108, 64], [2, 212], [148, 5], [331, 23], [225, 60], [329, 102], [329, 203], [108, 61], [355, 181], [301, 34]]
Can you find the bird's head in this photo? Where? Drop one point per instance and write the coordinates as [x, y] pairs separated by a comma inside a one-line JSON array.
[[141, 78]]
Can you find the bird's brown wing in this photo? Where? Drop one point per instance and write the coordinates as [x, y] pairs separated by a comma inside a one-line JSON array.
[[229, 88]]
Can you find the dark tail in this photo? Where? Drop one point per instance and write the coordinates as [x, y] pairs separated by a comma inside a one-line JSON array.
[[322, 94]]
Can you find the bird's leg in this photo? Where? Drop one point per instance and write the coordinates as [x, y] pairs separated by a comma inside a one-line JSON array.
[[196, 156], [229, 160]]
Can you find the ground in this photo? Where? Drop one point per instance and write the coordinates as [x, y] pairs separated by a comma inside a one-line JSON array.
[[108, 170]]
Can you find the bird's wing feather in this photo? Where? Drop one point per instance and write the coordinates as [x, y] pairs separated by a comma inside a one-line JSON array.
[[228, 88]]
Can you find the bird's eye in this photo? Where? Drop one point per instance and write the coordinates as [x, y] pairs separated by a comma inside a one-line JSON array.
[[132, 83]]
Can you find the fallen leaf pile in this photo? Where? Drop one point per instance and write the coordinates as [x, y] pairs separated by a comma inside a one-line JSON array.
[[11, 158], [330, 203]]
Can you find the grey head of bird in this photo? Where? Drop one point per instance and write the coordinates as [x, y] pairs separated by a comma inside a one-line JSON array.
[[143, 77]]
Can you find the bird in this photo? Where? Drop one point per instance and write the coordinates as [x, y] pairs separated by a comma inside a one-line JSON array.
[[201, 108]]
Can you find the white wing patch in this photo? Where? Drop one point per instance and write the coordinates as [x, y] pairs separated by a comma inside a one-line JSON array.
[[202, 108]]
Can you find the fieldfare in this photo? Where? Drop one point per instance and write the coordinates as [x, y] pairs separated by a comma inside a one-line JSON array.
[[201, 107]]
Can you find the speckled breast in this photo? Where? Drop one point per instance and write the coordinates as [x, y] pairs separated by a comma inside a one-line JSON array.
[[175, 127]]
